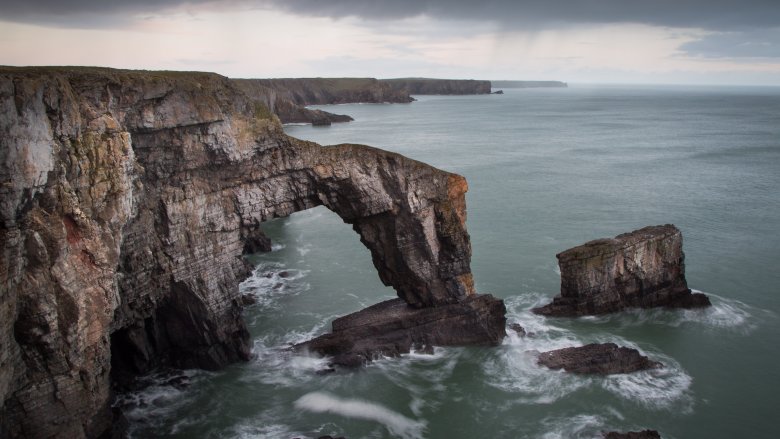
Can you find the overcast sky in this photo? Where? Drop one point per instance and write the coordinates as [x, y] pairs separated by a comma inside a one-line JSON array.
[[602, 41]]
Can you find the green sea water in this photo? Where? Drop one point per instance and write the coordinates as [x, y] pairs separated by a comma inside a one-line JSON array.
[[548, 169]]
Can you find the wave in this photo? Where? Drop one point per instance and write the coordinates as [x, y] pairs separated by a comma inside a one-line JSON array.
[[396, 423], [514, 367], [162, 395], [271, 280], [725, 313]]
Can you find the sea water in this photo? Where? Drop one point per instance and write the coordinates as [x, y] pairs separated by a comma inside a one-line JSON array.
[[548, 169]]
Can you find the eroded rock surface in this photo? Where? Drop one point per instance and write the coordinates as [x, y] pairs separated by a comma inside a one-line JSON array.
[[393, 327], [127, 200], [642, 269], [598, 359]]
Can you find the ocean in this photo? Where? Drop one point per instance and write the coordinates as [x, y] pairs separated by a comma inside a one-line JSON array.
[[548, 169]]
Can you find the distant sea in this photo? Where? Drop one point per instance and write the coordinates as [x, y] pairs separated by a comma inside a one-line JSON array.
[[548, 169]]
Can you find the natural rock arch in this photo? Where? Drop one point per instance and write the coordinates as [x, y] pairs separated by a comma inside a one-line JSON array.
[[127, 201]]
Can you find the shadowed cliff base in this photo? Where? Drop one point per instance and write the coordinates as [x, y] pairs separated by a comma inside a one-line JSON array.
[[128, 199]]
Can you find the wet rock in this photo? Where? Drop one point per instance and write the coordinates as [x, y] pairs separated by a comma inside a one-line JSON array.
[[392, 328], [518, 329], [644, 434], [642, 269], [598, 359], [248, 299], [283, 274]]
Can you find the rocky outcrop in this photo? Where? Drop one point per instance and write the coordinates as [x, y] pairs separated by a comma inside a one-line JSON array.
[[599, 359], [287, 98], [428, 86], [642, 269], [644, 434], [392, 328], [128, 198]]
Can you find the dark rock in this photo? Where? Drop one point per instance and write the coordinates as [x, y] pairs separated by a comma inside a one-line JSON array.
[[421, 348], [498, 92], [600, 359], [518, 329], [255, 241], [644, 434], [644, 269], [283, 274], [248, 299], [392, 328]]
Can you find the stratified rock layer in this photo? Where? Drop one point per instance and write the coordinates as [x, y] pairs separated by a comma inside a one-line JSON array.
[[642, 269], [597, 359], [126, 202], [393, 327]]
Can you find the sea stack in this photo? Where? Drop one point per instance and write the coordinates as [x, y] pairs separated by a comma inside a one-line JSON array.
[[641, 269]]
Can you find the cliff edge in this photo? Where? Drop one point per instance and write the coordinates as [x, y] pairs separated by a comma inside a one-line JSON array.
[[127, 200]]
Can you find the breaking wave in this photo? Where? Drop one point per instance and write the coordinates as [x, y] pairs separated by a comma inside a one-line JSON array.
[[396, 423]]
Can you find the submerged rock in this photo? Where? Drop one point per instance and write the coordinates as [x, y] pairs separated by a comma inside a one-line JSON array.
[[643, 269], [517, 328], [392, 328], [598, 359], [644, 434]]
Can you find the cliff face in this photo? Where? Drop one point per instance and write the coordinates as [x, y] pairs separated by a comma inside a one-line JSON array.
[[642, 269], [127, 200], [426, 86], [287, 98]]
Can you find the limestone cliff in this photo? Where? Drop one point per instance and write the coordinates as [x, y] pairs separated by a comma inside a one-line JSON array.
[[288, 97], [127, 200], [641, 269], [429, 86]]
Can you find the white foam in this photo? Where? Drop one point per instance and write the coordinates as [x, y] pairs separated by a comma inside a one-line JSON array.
[[658, 389], [156, 403], [396, 423], [579, 426], [271, 280], [724, 313]]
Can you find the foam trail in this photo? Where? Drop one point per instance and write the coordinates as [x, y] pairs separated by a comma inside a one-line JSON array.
[[398, 424]]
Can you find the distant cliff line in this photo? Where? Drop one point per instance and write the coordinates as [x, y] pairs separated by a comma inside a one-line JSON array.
[[288, 97], [529, 84]]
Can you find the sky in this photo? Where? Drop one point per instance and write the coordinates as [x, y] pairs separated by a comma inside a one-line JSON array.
[[577, 41]]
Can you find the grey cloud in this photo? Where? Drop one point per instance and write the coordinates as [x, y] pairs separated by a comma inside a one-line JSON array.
[[86, 13], [708, 14]]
